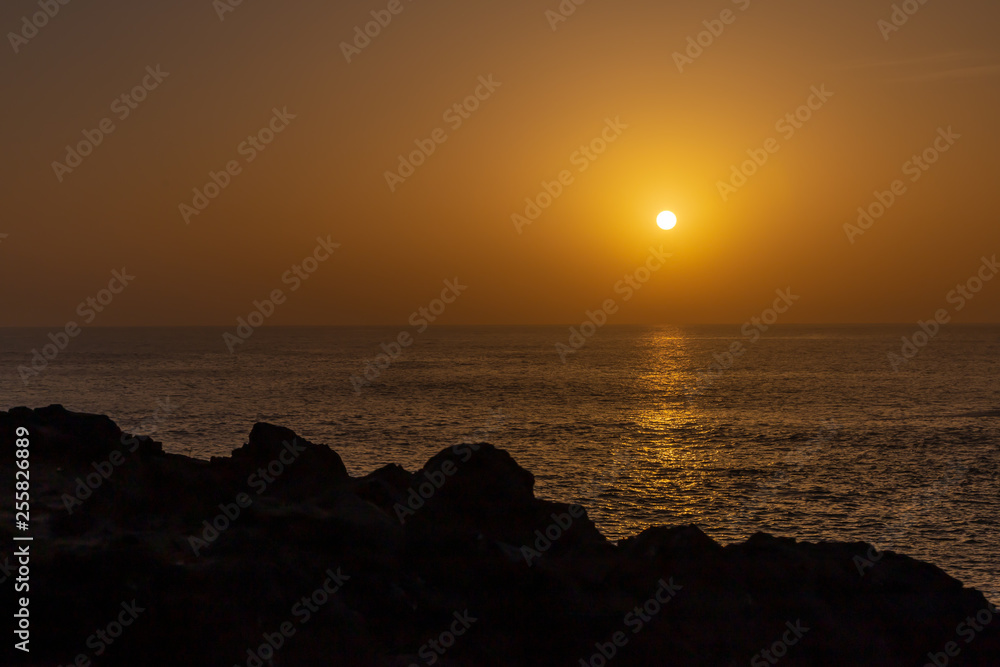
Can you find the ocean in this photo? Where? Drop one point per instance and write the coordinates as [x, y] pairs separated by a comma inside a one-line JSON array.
[[811, 432]]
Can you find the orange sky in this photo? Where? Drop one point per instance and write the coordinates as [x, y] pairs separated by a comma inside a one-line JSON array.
[[545, 89]]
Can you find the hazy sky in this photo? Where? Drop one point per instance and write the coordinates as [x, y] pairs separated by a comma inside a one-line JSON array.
[[213, 78]]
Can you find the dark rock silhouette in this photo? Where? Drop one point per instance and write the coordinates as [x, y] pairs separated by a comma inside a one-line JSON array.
[[457, 564]]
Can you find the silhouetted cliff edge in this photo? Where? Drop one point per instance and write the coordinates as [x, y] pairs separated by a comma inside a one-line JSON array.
[[275, 556]]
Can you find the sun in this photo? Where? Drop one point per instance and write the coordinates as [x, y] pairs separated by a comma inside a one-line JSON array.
[[666, 220]]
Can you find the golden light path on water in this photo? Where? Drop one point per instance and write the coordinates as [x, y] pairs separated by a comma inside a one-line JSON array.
[[666, 470], [657, 464]]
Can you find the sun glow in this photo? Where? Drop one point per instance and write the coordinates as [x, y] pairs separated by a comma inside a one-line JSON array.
[[666, 220]]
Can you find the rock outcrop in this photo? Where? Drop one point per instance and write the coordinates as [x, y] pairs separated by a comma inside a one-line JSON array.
[[276, 556]]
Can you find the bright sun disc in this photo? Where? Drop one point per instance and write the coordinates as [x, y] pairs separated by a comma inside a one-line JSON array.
[[666, 220]]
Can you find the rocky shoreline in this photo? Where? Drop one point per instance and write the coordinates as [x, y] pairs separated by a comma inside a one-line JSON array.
[[276, 556]]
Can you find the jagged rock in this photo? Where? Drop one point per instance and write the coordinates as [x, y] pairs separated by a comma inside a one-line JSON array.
[[219, 559]]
